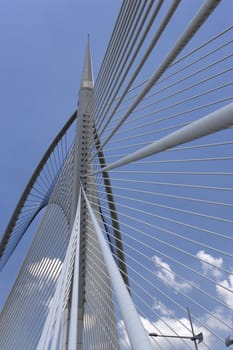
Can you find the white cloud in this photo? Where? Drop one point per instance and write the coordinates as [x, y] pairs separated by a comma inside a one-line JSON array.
[[210, 265], [168, 276], [166, 326], [216, 325], [161, 308], [224, 294]]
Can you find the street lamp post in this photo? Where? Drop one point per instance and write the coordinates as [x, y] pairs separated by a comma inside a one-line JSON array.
[[196, 338]]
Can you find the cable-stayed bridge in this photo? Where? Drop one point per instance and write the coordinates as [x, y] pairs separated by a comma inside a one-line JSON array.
[[136, 196]]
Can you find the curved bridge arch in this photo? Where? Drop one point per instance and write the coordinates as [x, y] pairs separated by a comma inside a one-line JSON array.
[[23, 214]]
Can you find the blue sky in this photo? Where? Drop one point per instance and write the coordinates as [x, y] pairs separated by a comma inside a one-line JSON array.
[[42, 45], [42, 51]]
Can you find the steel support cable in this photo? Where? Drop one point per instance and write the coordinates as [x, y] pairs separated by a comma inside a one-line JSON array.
[[193, 74], [186, 160], [31, 203], [59, 153], [176, 149], [174, 161], [38, 249], [52, 322], [177, 222], [171, 116], [113, 43], [96, 331], [33, 197], [138, 262], [148, 306], [213, 122], [221, 219], [33, 325], [143, 301], [36, 189], [172, 233], [167, 195], [124, 32], [36, 257], [178, 103], [136, 332], [100, 274], [207, 173], [149, 172], [56, 160], [178, 82], [63, 152], [213, 38], [27, 290], [102, 112], [56, 227], [116, 64], [140, 286], [188, 76], [165, 294], [174, 184], [167, 128], [71, 248], [40, 318], [39, 269], [155, 39], [52, 161], [200, 70], [112, 207], [141, 242], [137, 34], [173, 315], [48, 173], [118, 70], [29, 208], [214, 233], [187, 282], [104, 325], [205, 145], [187, 88], [53, 157], [182, 58], [156, 314], [145, 56], [24, 196], [152, 132], [164, 98], [142, 255], [52, 164], [171, 245], [44, 183], [161, 120], [103, 296], [181, 307], [203, 13]]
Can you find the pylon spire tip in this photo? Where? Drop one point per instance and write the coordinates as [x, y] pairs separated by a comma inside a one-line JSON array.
[[87, 77]]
